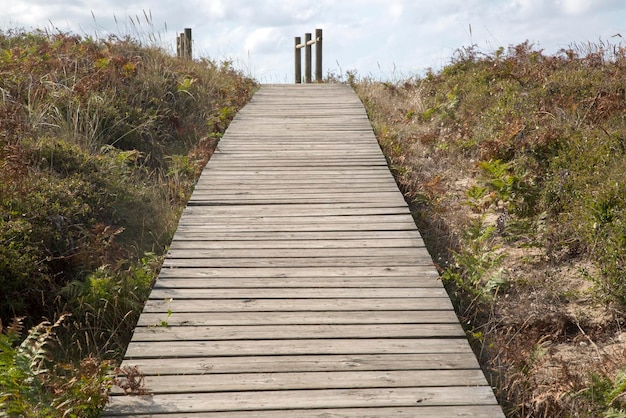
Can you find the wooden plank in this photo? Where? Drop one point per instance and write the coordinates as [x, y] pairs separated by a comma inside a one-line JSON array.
[[290, 149], [221, 186], [300, 244], [282, 283], [306, 363], [284, 128], [271, 225], [301, 272], [163, 349], [289, 175], [347, 153], [280, 305], [287, 198], [386, 226], [208, 253], [291, 220], [296, 184], [244, 189], [296, 135], [336, 171], [288, 179], [270, 182], [300, 331], [294, 207], [300, 293], [334, 162], [254, 148], [288, 210], [313, 209], [286, 183], [372, 261], [249, 165], [148, 319], [338, 157], [309, 172], [302, 399], [267, 148], [312, 236], [465, 411], [208, 383]]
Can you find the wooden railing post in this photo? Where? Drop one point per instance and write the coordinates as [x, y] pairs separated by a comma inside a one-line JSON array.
[[307, 58], [183, 45], [298, 62], [188, 50], [318, 55]]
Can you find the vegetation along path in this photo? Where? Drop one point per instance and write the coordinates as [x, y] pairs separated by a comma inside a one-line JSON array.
[[297, 283]]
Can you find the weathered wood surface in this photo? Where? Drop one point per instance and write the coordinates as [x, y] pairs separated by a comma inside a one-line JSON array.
[[297, 284]]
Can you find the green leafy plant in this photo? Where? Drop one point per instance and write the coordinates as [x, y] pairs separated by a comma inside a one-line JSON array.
[[185, 84], [108, 303], [476, 197], [474, 266], [608, 394], [32, 384], [508, 187]]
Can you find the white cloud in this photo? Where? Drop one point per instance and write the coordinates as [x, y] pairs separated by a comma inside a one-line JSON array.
[[216, 10], [265, 40], [376, 37], [396, 10], [574, 7]]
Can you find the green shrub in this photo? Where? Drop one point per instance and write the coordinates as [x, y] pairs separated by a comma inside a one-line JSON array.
[[107, 304], [474, 268], [607, 393], [91, 132]]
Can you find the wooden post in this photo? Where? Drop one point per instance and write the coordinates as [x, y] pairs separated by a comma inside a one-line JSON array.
[[298, 61], [318, 55], [308, 42], [307, 58], [183, 45], [188, 50], [181, 39]]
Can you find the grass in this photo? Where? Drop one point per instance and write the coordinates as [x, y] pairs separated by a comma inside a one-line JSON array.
[[514, 165], [101, 142]]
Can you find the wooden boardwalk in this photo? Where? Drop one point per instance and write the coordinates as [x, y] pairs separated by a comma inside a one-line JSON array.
[[297, 284]]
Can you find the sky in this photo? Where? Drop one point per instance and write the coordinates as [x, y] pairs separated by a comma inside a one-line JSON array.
[[388, 40]]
